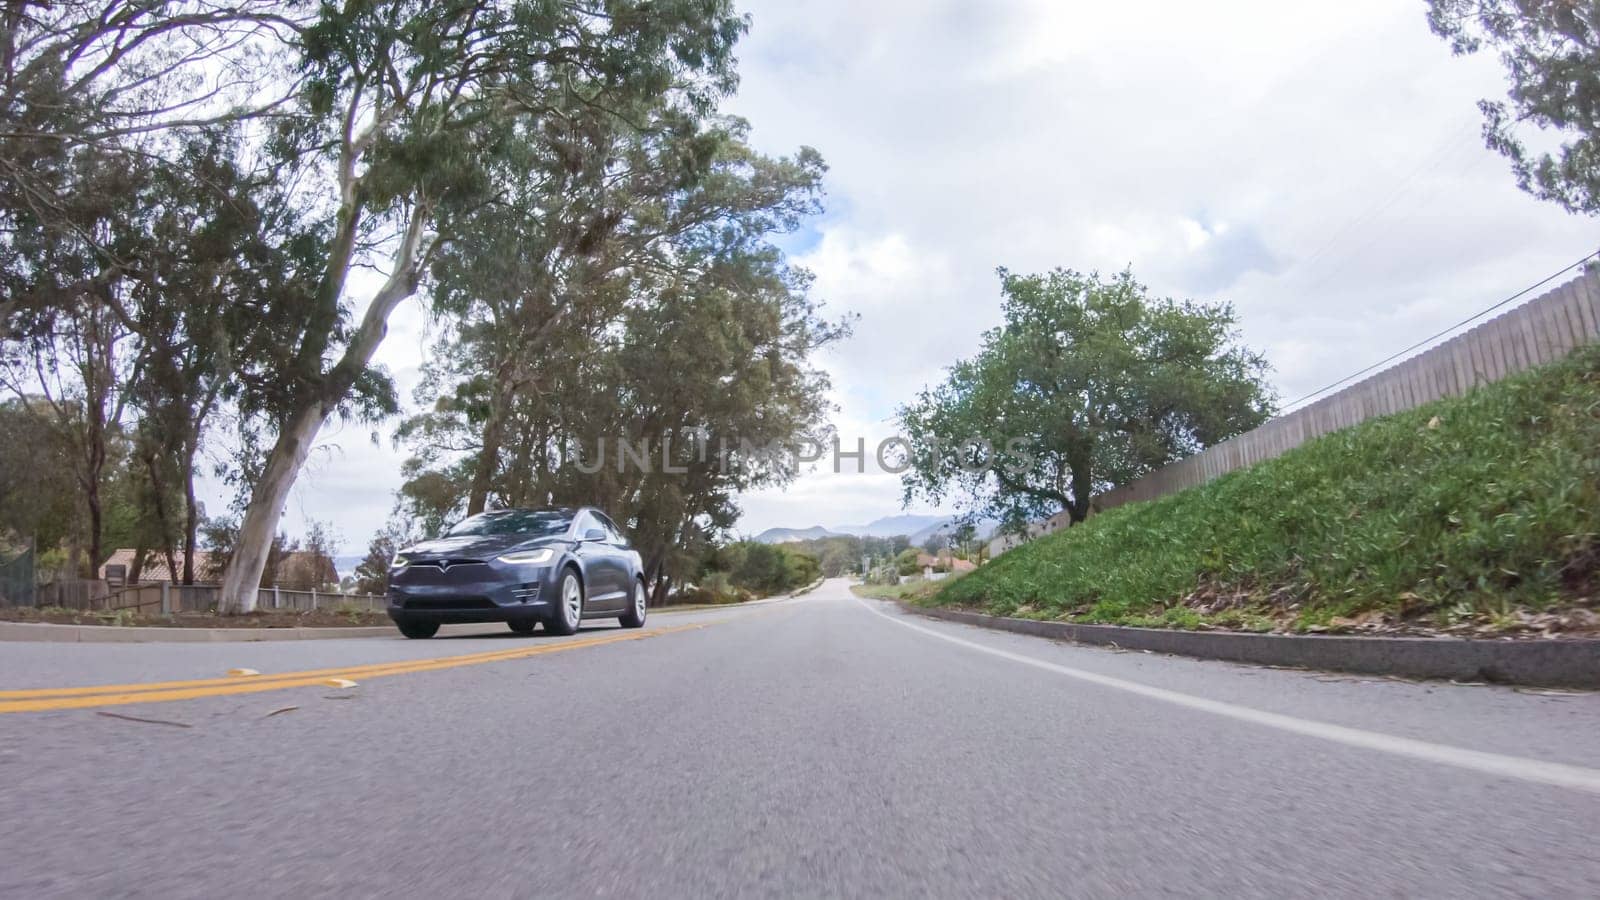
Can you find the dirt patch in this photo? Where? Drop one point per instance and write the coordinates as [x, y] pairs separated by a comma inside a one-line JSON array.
[[280, 618]]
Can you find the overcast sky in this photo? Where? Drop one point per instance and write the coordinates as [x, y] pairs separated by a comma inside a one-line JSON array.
[[1318, 165]]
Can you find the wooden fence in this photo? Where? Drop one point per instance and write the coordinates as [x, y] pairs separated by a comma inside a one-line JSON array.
[[165, 598], [1540, 331]]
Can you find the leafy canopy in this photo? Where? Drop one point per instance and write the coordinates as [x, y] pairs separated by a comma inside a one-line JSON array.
[[1551, 52], [1088, 384]]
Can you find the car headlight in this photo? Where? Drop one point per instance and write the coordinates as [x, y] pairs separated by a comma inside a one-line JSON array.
[[399, 562], [530, 557]]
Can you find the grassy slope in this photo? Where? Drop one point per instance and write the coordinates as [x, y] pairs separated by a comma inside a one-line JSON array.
[[1465, 510]]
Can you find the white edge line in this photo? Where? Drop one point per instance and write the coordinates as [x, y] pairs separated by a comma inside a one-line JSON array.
[[1556, 774]]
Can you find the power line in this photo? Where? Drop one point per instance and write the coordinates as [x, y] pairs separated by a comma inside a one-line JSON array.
[[1433, 337]]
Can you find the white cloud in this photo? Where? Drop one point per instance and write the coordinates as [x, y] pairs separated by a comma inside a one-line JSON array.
[[1317, 165]]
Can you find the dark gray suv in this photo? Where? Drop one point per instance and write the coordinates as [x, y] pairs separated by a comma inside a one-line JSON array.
[[521, 567]]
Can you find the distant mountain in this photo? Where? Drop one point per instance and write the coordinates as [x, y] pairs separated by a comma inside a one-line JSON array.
[[947, 527], [916, 529], [789, 535], [889, 526]]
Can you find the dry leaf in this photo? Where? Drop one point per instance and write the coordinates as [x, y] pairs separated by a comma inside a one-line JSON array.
[[112, 715]]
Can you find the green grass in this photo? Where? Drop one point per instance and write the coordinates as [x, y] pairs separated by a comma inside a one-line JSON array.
[[1467, 509]]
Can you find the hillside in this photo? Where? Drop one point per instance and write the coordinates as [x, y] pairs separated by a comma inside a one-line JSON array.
[[1477, 515]]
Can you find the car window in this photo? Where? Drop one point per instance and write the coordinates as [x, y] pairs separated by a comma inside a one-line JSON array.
[[533, 523], [612, 530], [586, 521]]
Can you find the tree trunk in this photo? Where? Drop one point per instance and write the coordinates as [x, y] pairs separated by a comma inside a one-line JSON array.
[[137, 568], [488, 456], [191, 518], [96, 526], [1082, 487], [241, 581]]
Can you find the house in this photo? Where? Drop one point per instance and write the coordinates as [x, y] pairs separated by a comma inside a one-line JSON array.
[[207, 566], [296, 570], [944, 562]]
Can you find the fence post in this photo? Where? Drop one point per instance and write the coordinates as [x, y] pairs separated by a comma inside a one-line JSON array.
[[276, 600], [313, 598], [166, 598]]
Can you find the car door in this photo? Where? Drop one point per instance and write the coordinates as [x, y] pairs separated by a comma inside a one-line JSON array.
[[599, 564], [622, 556]]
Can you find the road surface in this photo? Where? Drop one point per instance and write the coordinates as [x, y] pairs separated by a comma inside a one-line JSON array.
[[823, 746]]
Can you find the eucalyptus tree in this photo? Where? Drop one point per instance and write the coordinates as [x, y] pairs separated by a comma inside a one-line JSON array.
[[1551, 53], [408, 105], [662, 322], [1088, 383]]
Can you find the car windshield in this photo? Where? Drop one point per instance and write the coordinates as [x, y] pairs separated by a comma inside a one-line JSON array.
[[533, 523]]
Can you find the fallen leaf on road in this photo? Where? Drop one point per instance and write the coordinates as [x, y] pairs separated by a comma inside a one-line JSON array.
[[1549, 692], [242, 672], [281, 709], [339, 682], [112, 715]]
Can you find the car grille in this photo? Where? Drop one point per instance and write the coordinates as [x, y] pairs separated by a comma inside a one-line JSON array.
[[441, 571], [445, 565], [439, 604]]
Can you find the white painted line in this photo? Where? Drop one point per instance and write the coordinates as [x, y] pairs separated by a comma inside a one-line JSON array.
[[1557, 774]]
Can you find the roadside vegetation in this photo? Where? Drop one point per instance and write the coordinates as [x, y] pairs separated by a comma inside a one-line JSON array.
[[911, 590], [1478, 514], [748, 570]]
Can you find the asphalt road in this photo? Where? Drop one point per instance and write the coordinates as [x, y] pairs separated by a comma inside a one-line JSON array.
[[824, 746]]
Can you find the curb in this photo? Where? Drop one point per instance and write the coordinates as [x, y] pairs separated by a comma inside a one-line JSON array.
[[808, 588], [1552, 663], [151, 634]]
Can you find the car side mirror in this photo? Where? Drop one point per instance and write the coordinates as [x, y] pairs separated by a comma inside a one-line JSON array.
[[594, 534]]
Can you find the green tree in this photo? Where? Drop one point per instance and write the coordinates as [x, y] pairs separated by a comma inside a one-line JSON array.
[[1551, 53], [1088, 383], [668, 325]]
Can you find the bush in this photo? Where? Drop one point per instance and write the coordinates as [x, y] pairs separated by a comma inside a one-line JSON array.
[[761, 569]]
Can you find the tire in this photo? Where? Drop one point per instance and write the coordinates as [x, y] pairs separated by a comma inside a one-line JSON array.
[[568, 614], [418, 630], [634, 617], [523, 626]]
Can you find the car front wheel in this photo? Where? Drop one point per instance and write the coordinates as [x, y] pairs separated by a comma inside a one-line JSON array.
[[634, 617], [568, 614], [418, 630]]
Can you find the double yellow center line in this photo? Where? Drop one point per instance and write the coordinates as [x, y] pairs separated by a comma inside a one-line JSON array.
[[45, 699]]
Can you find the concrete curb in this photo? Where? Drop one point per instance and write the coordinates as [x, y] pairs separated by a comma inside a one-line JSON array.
[[1555, 663], [808, 588], [149, 634]]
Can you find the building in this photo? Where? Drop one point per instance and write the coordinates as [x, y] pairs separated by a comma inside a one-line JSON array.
[[297, 570]]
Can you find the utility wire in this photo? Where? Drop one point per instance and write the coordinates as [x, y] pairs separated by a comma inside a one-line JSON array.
[[1433, 337]]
